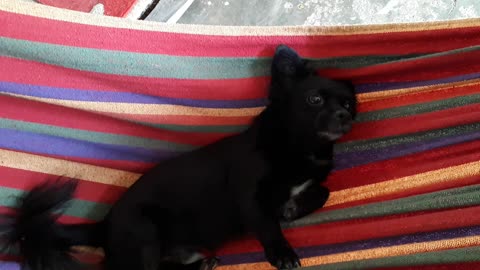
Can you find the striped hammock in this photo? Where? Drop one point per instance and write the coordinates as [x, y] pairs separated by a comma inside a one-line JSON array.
[[103, 99]]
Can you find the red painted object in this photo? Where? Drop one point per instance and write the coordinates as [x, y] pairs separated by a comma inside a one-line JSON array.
[[117, 8]]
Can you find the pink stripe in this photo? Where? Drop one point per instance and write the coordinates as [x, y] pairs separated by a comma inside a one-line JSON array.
[[14, 70], [45, 30]]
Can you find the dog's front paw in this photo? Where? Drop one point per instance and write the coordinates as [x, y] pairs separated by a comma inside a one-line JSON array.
[[290, 210], [283, 258], [209, 263]]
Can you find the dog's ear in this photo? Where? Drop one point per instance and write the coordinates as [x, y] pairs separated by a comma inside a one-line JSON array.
[[350, 86], [286, 61], [287, 68]]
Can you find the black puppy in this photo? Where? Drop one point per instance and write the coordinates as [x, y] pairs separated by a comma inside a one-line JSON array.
[[195, 202]]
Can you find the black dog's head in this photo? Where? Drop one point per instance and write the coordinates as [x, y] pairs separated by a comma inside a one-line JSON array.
[[315, 108]]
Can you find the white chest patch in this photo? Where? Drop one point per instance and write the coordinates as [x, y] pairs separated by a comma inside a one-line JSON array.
[[300, 188]]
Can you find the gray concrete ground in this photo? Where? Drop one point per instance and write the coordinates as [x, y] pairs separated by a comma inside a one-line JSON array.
[[311, 12], [315, 12]]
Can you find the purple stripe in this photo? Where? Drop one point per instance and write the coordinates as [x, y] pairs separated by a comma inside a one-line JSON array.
[[313, 251], [106, 96], [51, 145], [306, 252], [352, 159], [373, 87], [9, 266]]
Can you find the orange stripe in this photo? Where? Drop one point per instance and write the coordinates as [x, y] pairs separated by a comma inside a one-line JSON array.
[[404, 183], [433, 93], [371, 253]]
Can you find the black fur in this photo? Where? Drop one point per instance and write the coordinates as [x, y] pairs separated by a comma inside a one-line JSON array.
[[197, 201]]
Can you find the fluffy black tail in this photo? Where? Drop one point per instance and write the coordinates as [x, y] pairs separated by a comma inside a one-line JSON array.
[[44, 243]]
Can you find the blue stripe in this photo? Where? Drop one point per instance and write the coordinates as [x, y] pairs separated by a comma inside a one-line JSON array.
[[59, 146], [124, 97], [352, 159], [374, 87]]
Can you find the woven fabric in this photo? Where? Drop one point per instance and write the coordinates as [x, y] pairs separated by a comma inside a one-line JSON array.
[[103, 99]]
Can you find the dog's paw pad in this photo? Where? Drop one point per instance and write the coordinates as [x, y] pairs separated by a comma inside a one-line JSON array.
[[287, 264], [288, 261], [284, 258]]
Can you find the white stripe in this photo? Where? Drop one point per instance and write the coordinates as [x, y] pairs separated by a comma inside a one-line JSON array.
[[177, 15]]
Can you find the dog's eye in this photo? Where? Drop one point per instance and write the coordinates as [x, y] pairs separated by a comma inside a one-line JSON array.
[[315, 100], [346, 105]]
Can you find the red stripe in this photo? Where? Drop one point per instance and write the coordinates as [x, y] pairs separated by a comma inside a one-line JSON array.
[[98, 192], [124, 165], [9, 258], [356, 230], [423, 122], [43, 113], [186, 119], [90, 191], [407, 165], [412, 70], [13, 70], [89, 258], [45, 30], [117, 8], [415, 98]]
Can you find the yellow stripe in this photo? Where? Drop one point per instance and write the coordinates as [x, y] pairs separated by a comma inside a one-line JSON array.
[[109, 176], [65, 168], [378, 95], [404, 183], [146, 109], [37, 10], [371, 253]]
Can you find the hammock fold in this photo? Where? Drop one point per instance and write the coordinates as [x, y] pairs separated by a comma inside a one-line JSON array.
[[103, 99]]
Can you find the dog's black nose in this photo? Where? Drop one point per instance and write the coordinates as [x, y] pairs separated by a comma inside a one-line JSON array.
[[342, 115]]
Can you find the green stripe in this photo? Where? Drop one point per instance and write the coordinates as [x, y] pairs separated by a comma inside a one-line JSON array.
[[362, 61], [358, 61], [362, 145], [160, 66], [441, 54], [92, 136], [77, 208], [427, 107], [451, 198], [135, 64], [444, 257]]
